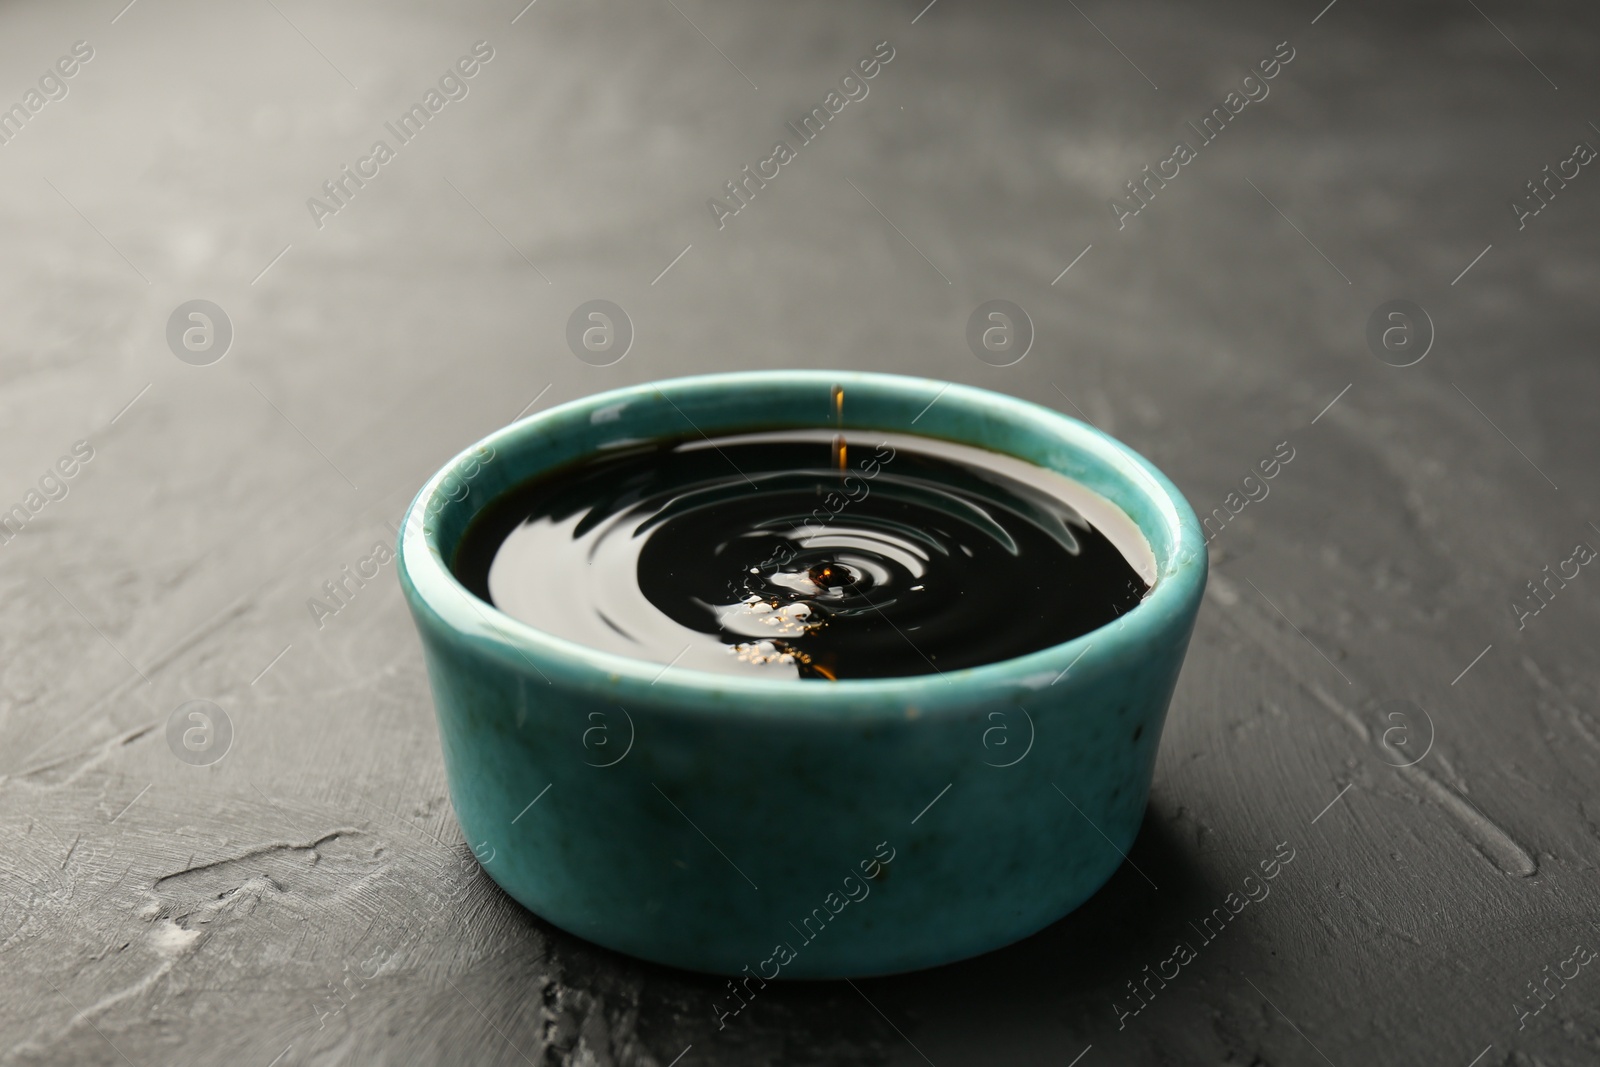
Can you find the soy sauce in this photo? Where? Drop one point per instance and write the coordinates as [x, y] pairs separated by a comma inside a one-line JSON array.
[[807, 554]]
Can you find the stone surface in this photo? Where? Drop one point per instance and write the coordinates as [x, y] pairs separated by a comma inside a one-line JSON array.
[[308, 899]]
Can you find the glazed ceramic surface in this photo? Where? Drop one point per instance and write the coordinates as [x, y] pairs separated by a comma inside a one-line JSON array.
[[790, 829]]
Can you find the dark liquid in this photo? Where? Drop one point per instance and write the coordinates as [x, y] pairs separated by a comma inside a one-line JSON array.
[[760, 554]]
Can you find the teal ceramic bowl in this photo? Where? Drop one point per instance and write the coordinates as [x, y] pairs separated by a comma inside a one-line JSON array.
[[798, 829]]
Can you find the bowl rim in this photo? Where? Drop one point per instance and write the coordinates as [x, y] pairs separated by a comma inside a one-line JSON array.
[[435, 595]]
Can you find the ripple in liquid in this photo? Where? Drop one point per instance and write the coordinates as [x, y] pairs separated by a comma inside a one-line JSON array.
[[808, 554]]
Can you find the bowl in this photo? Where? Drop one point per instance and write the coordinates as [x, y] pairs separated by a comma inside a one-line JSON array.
[[798, 829]]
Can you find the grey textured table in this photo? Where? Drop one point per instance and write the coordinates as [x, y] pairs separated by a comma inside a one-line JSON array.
[[308, 899]]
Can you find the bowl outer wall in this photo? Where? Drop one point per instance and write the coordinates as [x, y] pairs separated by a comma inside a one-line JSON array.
[[732, 808]]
